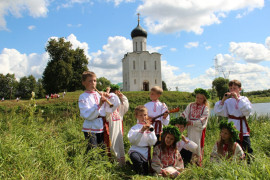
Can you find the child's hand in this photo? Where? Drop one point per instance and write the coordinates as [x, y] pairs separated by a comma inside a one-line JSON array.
[[102, 99], [184, 139], [165, 115], [119, 94]]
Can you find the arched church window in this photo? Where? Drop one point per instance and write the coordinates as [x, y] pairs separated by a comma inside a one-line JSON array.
[[141, 46], [144, 65], [134, 67], [136, 46], [155, 81], [134, 81], [155, 65]]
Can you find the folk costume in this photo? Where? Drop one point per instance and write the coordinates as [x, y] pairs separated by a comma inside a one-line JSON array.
[[138, 152], [236, 153], [167, 159], [156, 108], [92, 113], [114, 117], [198, 117], [236, 111]]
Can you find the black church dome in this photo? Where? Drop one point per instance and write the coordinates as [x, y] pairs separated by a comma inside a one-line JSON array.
[[138, 31]]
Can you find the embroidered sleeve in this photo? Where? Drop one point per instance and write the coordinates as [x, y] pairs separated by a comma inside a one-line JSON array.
[[135, 135], [179, 164], [245, 106], [124, 106], [238, 153], [164, 109], [220, 109], [152, 138], [191, 146], [87, 112], [156, 161], [186, 112]]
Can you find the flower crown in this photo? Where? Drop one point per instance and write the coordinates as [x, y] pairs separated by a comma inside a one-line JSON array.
[[202, 91], [172, 130], [230, 126], [179, 120], [114, 87]]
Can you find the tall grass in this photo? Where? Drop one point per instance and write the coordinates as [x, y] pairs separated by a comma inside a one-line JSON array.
[[45, 142]]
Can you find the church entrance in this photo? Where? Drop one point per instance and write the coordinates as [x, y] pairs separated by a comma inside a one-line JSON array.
[[146, 86]]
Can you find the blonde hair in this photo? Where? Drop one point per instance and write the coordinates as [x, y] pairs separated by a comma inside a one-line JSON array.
[[157, 90], [87, 74], [139, 109]]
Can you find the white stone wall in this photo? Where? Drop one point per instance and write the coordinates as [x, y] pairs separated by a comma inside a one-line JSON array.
[[139, 67]]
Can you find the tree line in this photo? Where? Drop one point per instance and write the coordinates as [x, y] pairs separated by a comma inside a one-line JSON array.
[[63, 73]]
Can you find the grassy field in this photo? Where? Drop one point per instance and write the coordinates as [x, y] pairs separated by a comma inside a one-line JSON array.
[[42, 139]]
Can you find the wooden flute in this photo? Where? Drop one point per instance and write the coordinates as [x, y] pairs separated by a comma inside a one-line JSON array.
[[110, 104]]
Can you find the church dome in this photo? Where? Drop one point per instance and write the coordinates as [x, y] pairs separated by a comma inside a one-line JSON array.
[[138, 31]]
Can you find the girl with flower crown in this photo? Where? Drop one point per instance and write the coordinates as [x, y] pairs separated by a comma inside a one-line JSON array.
[[227, 147], [197, 114], [167, 160]]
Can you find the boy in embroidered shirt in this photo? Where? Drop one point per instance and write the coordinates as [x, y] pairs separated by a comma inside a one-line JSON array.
[[141, 139], [156, 108], [236, 108], [91, 109]]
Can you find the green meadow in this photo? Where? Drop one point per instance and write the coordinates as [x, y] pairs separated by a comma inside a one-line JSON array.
[[42, 139]]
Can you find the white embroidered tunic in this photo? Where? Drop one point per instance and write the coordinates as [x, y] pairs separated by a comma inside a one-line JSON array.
[[156, 108], [238, 108], [198, 115], [238, 153], [190, 146], [90, 110], [115, 119], [141, 140]]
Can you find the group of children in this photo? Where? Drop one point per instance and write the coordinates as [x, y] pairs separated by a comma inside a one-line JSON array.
[[171, 149]]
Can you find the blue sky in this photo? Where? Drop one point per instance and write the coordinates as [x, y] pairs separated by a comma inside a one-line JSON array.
[[189, 34]]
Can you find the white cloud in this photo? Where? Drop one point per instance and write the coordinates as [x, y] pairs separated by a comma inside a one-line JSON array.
[[118, 2], [208, 47], [173, 49], [192, 45], [74, 25], [12, 61], [32, 27], [251, 52], [70, 3], [36, 8], [190, 15]]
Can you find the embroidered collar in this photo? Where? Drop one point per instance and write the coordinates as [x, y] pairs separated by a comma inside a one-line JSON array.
[[90, 92]]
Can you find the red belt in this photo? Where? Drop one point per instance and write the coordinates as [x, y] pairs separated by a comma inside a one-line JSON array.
[[241, 125], [106, 134], [157, 126]]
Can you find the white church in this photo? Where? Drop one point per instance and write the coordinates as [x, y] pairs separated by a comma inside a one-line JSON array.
[[141, 69]]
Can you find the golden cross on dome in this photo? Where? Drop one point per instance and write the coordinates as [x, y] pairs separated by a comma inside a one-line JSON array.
[[138, 18]]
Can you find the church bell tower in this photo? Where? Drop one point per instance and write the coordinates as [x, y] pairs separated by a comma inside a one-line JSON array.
[[141, 69]]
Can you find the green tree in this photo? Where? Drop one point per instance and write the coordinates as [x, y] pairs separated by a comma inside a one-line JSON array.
[[221, 86], [8, 86], [102, 83], [40, 91], [26, 86], [164, 86], [64, 69]]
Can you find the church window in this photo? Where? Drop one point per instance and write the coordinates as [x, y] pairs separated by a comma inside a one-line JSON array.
[[134, 81], [144, 65], [136, 46], [141, 46], [134, 67], [155, 81], [155, 65]]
